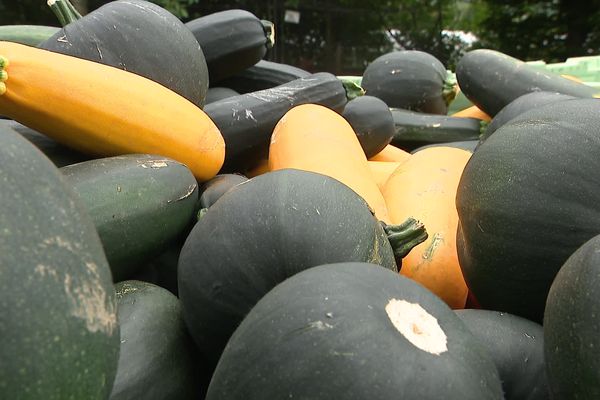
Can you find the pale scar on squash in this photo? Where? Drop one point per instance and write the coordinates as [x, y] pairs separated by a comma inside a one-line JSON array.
[[419, 327]]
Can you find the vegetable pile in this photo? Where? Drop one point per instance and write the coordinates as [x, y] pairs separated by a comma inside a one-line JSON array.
[[182, 219]]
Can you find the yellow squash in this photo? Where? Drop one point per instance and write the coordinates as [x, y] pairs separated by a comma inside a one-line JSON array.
[[105, 111]]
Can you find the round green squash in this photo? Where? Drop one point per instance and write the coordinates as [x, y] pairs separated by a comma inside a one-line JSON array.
[[571, 326], [58, 314], [157, 359], [516, 346], [353, 331], [261, 232], [527, 199], [140, 37]]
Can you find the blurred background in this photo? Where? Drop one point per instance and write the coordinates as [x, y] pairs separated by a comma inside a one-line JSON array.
[[343, 36]]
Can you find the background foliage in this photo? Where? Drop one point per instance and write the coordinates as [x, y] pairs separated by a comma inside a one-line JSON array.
[[343, 36]]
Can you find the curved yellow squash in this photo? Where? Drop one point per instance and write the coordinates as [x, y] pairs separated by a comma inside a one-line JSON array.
[[105, 111]]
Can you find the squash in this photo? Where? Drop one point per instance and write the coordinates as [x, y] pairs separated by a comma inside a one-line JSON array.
[[518, 106], [137, 36], [218, 93], [334, 151], [157, 360], [571, 323], [212, 190], [525, 205], [409, 79], [265, 230], [391, 153], [31, 35], [516, 346], [247, 121], [382, 170], [468, 145], [472, 112], [416, 129], [58, 313], [139, 203], [353, 331], [263, 75], [372, 121], [232, 40], [59, 154], [424, 187], [491, 79], [105, 111]]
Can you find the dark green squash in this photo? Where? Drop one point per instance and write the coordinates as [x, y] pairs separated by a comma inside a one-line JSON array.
[[516, 346], [263, 231], [527, 198], [263, 75], [140, 37], [247, 121], [409, 79], [353, 331], [372, 122], [139, 203], [416, 129], [219, 93], [232, 40], [58, 321], [213, 189], [158, 360], [491, 79], [31, 35], [571, 326], [59, 154], [518, 106]]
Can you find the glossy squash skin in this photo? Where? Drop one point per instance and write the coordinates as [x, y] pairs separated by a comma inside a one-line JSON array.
[[425, 187], [351, 331], [391, 153], [571, 324], [262, 232], [314, 138], [105, 111], [140, 37], [526, 201]]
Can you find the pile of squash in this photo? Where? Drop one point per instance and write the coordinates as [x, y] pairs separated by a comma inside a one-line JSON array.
[[182, 219]]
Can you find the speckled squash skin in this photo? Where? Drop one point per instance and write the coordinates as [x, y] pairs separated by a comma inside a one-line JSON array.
[[58, 322]]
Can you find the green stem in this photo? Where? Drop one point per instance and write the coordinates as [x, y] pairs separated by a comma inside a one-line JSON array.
[[3, 74], [64, 11], [201, 213], [269, 28], [353, 89], [405, 236], [449, 90]]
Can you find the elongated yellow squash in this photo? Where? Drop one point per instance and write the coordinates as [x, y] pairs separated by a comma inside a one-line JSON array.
[[105, 111]]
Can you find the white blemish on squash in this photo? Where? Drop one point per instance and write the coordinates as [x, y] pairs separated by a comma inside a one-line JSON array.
[[89, 301], [418, 326], [320, 325], [44, 270]]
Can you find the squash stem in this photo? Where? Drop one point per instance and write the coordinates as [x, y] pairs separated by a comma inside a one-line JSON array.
[[269, 28], [403, 237], [450, 88], [64, 11], [353, 89], [3, 74]]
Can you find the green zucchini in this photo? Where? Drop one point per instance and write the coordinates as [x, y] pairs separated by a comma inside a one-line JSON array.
[[31, 35], [491, 79], [416, 129], [231, 40], [247, 121], [139, 203], [263, 75]]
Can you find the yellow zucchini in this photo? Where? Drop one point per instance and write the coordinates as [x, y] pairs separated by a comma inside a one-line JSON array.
[[105, 111]]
